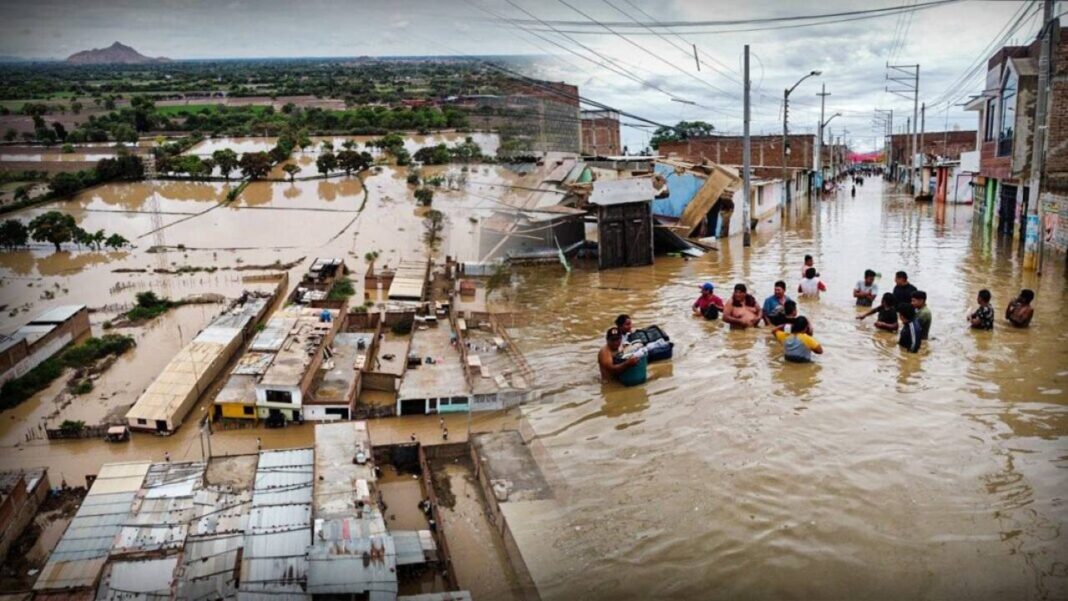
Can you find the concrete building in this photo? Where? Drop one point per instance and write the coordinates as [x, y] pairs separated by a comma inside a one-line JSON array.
[[339, 381], [438, 385], [21, 493], [163, 406], [44, 336], [600, 133], [294, 340]]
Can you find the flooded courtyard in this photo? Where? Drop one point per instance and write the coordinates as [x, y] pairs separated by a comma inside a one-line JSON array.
[[870, 473]]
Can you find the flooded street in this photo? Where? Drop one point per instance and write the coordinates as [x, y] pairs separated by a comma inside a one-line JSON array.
[[870, 473]]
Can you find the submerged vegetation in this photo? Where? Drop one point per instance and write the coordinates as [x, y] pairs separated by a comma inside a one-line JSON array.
[[82, 357], [341, 290], [150, 306]]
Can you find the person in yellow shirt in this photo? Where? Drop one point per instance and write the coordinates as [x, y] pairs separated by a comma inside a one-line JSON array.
[[797, 345]]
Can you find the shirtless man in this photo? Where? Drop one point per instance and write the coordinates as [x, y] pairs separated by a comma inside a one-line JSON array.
[[610, 370], [742, 310], [1019, 312]]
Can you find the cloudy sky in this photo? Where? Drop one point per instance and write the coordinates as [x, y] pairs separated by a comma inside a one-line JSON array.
[[617, 51]]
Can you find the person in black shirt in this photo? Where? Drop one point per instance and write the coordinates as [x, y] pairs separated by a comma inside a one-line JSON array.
[[903, 289], [887, 311]]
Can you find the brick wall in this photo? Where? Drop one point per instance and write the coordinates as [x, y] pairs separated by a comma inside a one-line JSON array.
[[1057, 135], [765, 151], [600, 136], [939, 143]]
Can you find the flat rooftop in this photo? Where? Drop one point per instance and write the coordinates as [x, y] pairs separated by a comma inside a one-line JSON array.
[[395, 346], [304, 338], [442, 378], [496, 370], [340, 481], [338, 382]]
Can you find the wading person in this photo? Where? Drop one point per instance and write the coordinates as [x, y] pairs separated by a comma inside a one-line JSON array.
[[811, 285], [742, 310], [708, 304], [775, 305], [790, 311], [923, 313], [797, 344], [983, 317], [610, 370], [887, 311], [909, 339], [866, 290], [1019, 312], [808, 264], [903, 289], [625, 326]]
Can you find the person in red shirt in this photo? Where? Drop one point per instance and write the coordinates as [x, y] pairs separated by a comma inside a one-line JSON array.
[[708, 304]]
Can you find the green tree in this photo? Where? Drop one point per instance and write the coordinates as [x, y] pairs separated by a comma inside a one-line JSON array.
[[255, 165], [433, 226], [65, 184], [425, 196], [326, 162], [116, 241], [13, 233], [351, 160], [53, 227], [22, 193], [226, 160], [67, 148], [684, 130], [303, 141], [76, 107], [291, 170], [124, 133]]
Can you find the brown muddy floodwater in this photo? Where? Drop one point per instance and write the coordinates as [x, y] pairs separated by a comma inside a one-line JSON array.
[[868, 474]]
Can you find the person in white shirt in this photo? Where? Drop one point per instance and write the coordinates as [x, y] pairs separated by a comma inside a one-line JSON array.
[[811, 284], [866, 290]]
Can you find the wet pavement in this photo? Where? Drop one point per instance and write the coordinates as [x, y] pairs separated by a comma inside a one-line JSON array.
[[870, 473]]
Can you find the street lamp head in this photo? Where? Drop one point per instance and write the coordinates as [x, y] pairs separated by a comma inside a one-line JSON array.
[[816, 72]]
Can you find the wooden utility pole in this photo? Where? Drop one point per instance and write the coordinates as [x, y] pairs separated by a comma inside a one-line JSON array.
[[746, 240]]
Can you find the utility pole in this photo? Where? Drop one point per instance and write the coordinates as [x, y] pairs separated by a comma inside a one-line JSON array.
[[919, 150], [1032, 240], [905, 86], [746, 241], [819, 135]]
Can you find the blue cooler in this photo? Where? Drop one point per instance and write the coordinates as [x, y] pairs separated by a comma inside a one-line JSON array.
[[635, 375]]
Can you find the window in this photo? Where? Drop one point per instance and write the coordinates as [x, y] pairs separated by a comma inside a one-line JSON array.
[[459, 400], [279, 396], [1007, 114], [988, 117], [142, 421], [249, 410]]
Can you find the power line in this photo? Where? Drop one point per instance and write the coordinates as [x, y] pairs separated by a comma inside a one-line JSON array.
[[645, 50], [869, 13]]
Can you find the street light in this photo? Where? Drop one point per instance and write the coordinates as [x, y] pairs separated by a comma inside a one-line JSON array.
[[823, 126], [786, 131]]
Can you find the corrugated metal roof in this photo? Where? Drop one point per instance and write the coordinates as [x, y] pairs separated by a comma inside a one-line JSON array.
[[409, 281], [273, 334], [409, 545], [446, 596], [79, 557], [32, 333], [255, 364], [57, 315], [353, 566], [286, 457], [147, 579]]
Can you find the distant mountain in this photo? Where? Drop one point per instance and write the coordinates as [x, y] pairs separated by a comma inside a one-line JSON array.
[[114, 54]]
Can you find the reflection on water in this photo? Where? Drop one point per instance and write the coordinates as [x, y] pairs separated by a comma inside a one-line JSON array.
[[890, 475]]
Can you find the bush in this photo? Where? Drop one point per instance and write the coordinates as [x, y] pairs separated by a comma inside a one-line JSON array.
[[71, 426], [82, 386], [341, 290], [149, 306]]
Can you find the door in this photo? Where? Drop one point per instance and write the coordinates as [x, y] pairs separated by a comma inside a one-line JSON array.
[[413, 407], [611, 244], [1007, 210]]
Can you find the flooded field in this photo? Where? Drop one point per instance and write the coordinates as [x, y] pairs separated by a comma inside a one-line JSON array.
[[870, 473], [412, 142]]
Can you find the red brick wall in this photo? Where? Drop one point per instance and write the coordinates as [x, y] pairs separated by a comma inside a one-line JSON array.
[[940, 143], [600, 136], [765, 151]]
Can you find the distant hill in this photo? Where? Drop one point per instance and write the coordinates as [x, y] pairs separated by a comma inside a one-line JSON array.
[[114, 54]]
